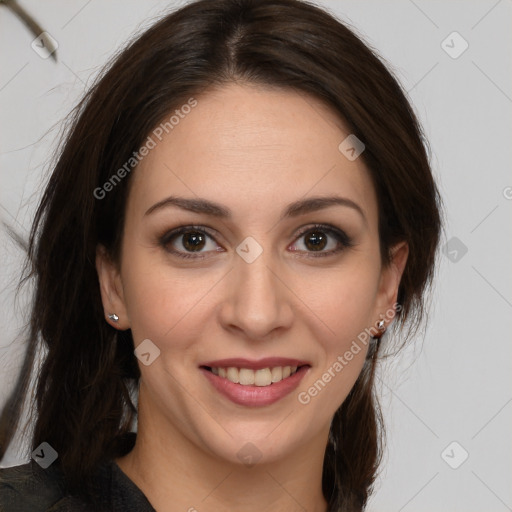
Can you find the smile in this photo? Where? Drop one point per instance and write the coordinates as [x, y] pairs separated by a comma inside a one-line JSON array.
[[249, 377], [255, 383]]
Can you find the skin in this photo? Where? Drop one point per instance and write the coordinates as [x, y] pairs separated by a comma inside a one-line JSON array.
[[253, 150]]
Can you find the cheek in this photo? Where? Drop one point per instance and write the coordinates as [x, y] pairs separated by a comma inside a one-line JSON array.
[[342, 348], [342, 299], [161, 301], [342, 303]]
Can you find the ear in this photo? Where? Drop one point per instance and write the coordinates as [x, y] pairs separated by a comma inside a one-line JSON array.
[[390, 282], [111, 289]]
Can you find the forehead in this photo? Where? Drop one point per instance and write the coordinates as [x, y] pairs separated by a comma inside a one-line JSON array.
[[247, 146]]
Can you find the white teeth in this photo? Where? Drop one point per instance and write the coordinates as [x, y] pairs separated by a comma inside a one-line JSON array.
[[246, 376], [261, 377], [277, 374], [232, 375]]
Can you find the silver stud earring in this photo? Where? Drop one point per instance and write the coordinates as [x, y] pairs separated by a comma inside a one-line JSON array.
[[381, 327], [113, 317]]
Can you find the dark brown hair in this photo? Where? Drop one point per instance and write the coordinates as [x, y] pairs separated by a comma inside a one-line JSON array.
[[83, 402]]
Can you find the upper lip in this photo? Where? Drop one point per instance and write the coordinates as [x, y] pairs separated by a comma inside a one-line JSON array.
[[266, 362]]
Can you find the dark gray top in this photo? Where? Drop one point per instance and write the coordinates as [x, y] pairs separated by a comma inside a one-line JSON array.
[[30, 488]]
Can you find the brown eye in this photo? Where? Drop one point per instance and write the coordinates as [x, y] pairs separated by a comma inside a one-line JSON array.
[[320, 237], [193, 241], [187, 240], [316, 241]]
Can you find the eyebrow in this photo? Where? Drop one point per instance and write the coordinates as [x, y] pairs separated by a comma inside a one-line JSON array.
[[300, 207]]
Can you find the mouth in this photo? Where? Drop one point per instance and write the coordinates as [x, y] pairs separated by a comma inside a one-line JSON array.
[[255, 383], [259, 377]]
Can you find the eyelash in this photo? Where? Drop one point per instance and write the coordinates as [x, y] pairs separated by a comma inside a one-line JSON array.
[[342, 238]]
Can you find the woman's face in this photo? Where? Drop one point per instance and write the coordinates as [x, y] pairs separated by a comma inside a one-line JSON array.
[[250, 277]]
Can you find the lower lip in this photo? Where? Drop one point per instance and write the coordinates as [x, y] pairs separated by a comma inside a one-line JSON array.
[[255, 396]]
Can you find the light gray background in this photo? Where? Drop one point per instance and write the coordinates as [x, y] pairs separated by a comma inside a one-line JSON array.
[[455, 384]]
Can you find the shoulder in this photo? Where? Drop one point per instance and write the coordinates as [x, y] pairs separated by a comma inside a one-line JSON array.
[[30, 488]]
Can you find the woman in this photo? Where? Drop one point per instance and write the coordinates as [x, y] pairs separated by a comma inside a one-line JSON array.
[[242, 207]]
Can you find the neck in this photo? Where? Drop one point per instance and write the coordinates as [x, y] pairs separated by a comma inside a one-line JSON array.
[[176, 475]]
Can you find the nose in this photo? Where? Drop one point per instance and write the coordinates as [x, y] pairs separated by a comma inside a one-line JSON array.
[[258, 299]]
